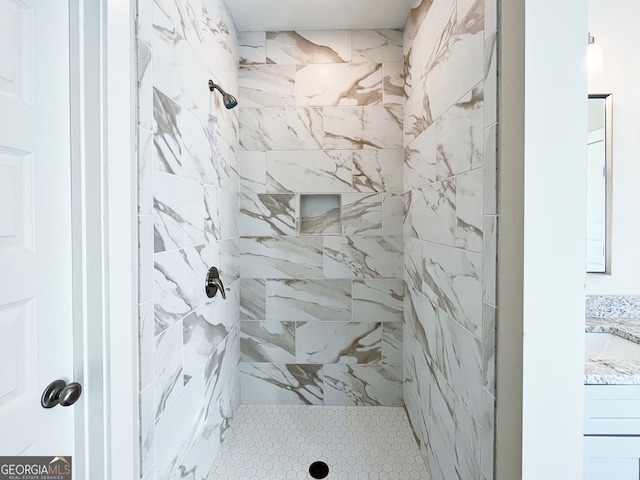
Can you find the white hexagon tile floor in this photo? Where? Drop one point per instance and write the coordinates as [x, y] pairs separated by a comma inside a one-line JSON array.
[[279, 442]]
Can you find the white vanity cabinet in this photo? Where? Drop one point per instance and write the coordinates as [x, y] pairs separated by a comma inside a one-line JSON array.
[[612, 432]]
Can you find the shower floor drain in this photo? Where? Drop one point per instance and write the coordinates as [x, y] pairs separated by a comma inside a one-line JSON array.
[[319, 470]]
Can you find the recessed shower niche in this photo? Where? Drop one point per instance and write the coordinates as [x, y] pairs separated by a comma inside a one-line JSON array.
[[320, 215]]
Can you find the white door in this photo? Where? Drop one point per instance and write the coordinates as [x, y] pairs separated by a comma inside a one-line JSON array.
[[35, 226]]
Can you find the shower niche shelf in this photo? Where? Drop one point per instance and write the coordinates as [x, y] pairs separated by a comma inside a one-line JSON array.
[[320, 215]]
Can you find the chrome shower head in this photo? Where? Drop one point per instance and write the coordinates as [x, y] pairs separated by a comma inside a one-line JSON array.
[[228, 99]]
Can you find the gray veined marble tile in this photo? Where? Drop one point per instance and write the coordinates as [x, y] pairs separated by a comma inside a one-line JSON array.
[[184, 17], [415, 390], [227, 311], [490, 259], [176, 428], [145, 344], [203, 332], [371, 385], [265, 214], [269, 341], [338, 342], [384, 45], [166, 134], [309, 47], [491, 78], [415, 20], [338, 84], [219, 42], [168, 367], [421, 316], [490, 17], [362, 214], [469, 209], [377, 300], [221, 381], [392, 343], [166, 42], [281, 128], [229, 264], [362, 127], [221, 207], [462, 363], [452, 145], [225, 122], [253, 172], [377, 170], [267, 86], [252, 299], [392, 214], [433, 212], [178, 217], [251, 48], [281, 257], [362, 257], [306, 171], [490, 189], [145, 171], [144, 20], [468, 444], [488, 425], [458, 64], [393, 83], [413, 263], [309, 300], [435, 413], [407, 231], [453, 282], [417, 116], [145, 86], [178, 281], [197, 163], [289, 384], [489, 348], [225, 164], [147, 424], [145, 258]]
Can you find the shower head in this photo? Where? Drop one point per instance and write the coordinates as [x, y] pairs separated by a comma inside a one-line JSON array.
[[228, 99]]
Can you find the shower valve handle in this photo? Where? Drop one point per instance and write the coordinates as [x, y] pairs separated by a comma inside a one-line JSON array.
[[213, 283]]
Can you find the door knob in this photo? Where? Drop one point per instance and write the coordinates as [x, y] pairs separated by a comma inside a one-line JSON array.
[[213, 283], [58, 392]]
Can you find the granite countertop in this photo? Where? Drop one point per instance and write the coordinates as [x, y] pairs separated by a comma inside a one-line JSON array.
[[613, 372]]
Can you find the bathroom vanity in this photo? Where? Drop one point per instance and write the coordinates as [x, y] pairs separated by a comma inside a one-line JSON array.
[[612, 399]]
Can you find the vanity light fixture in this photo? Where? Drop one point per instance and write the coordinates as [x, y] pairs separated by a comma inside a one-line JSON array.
[[595, 58]]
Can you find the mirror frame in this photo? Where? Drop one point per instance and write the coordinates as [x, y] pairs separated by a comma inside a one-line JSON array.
[[608, 139]]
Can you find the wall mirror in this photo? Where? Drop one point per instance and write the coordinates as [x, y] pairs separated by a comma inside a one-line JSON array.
[[599, 192]]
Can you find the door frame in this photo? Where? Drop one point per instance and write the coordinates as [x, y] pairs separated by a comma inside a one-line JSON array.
[[104, 204]]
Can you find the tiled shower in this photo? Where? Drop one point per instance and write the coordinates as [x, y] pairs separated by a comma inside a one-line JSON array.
[[321, 217], [349, 203]]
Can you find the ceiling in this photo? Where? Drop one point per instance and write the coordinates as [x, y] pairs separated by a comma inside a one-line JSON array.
[[283, 15]]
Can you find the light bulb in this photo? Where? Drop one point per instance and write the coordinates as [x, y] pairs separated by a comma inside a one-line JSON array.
[[595, 58]]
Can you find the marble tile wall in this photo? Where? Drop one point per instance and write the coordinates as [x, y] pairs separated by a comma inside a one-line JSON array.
[[321, 301], [450, 234], [188, 202]]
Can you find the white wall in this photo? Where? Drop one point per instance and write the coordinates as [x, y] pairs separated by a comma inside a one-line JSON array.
[[541, 240], [614, 25], [554, 230]]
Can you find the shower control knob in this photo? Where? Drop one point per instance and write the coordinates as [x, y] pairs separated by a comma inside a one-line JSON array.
[[58, 392], [213, 283]]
